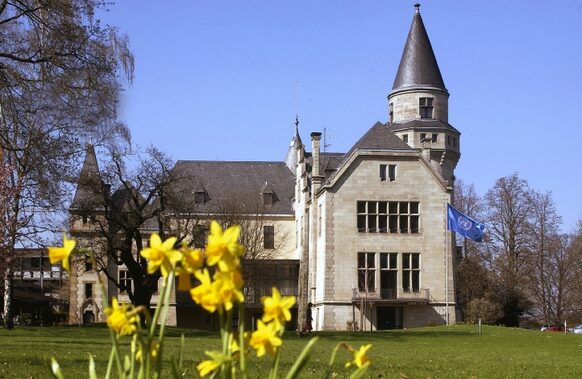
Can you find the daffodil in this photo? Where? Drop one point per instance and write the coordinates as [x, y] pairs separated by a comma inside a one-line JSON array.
[[277, 308], [223, 247], [265, 339], [62, 254], [228, 285], [192, 260], [121, 318], [360, 358], [211, 365], [161, 255], [205, 294]]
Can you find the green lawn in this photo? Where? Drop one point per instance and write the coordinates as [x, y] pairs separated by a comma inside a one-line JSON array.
[[437, 352]]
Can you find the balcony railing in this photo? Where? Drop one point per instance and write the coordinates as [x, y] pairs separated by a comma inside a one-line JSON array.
[[400, 294]]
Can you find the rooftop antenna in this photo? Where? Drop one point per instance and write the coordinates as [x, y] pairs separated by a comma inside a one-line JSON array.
[[325, 137]]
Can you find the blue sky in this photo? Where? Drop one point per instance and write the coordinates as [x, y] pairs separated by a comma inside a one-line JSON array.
[[217, 80]]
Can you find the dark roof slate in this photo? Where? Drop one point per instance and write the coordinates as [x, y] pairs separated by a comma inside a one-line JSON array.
[[423, 123], [379, 137], [225, 181], [89, 184], [418, 65]]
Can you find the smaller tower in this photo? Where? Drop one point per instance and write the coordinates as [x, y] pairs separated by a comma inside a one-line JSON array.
[[418, 105]]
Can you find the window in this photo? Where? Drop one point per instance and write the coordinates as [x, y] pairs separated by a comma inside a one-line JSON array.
[[392, 172], [199, 233], [125, 282], [388, 217], [448, 140], [268, 198], [88, 290], [88, 264], [387, 171], [435, 137], [200, 197], [426, 107], [405, 138], [367, 272], [391, 112], [422, 137], [455, 141], [411, 272], [388, 275], [269, 237]]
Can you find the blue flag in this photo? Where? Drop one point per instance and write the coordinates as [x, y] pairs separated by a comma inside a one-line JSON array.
[[464, 225]]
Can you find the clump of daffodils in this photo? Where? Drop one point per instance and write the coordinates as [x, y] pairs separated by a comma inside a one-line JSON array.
[[218, 289]]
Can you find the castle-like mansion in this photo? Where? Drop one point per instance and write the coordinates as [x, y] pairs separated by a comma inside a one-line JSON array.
[[359, 237]]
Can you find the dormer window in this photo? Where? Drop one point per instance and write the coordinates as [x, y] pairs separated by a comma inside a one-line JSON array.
[[268, 198], [405, 138], [426, 107], [200, 197]]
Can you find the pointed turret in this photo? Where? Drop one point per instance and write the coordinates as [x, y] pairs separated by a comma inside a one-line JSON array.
[[296, 143], [89, 185], [418, 105], [418, 67]]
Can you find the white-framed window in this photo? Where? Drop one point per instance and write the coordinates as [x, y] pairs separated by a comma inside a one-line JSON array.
[[426, 107], [125, 282], [388, 217], [367, 272], [411, 272]]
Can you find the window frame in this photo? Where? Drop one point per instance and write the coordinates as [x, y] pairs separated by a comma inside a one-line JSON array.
[[269, 237], [393, 217], [411, 274], [366, 268], [426, 107]]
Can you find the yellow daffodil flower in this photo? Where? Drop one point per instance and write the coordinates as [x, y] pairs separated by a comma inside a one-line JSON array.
[[62, 254], [211, 365], [265, 339], [360, 358], [204, 294], [228, 285], [223, 247], [121, 318], [192, 260], [161, 255], [277, 308]]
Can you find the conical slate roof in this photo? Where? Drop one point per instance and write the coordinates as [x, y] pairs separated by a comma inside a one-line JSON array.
[[89, 185], [418, 66]]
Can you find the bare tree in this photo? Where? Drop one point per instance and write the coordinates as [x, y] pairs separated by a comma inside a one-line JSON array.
[[509, 249], [263, 238], [59, 86], [148, 199]]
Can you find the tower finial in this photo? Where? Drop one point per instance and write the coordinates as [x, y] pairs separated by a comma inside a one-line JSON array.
[[417, 8], [296, 124]]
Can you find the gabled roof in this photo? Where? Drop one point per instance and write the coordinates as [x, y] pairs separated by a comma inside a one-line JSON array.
[[379, 136], [423, 123], [227, 181], [418, 66], [89, 184]]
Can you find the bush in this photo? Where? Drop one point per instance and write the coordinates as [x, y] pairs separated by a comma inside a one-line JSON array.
[[488, 311]]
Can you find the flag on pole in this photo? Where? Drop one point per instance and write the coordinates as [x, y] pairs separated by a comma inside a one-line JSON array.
[[464, 225]]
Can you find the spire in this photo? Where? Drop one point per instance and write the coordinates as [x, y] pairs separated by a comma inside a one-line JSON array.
[[89, 184], [296, 143], [418, 66]]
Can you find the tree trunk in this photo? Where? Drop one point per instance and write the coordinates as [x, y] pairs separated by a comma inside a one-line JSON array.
[[8, 281]]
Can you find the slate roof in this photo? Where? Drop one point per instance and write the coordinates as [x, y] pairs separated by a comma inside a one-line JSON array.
[[224, 181], [423, 123], [418, 66], [89, 184], [379, 137]]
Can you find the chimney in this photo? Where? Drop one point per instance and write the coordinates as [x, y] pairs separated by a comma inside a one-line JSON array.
[[315, 143]]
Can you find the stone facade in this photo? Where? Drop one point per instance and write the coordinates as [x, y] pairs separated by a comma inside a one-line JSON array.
[[362, 236]]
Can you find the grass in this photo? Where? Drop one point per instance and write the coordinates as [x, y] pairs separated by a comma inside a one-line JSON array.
[[436, 352]]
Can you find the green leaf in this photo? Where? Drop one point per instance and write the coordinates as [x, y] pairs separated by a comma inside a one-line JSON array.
[[92, 373], [56, 369], [301, 360]]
